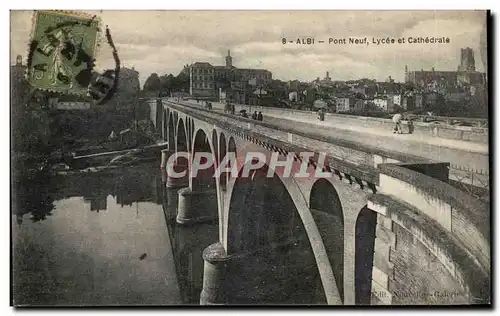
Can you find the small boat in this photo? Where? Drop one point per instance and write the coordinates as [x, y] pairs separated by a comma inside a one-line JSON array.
[[129, 156]]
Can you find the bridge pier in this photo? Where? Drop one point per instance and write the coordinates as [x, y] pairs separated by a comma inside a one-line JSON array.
[[177, 183], [180, 165], [214, 275], [283, 272], [197, 206], [170, 204]]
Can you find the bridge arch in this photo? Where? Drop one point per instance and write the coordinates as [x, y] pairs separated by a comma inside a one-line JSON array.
[[327, 211], [176, 119], [231, 148], [222, 154], [269, 228], [182, 140], [215, 143], [191, 132], [171, 132], [188, 133], [205, 178], [363, 256], [164, 134]]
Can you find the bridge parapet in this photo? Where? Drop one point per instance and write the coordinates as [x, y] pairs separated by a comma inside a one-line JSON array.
[[344, 157], [476, 134], [362, 176], [422, 220]]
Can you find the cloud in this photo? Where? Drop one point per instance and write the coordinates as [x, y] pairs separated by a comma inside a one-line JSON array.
[[164, 41]]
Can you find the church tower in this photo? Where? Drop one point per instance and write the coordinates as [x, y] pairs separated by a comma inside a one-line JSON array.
[[229, 59]]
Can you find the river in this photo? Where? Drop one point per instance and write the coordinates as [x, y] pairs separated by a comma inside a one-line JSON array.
[[104, 239]]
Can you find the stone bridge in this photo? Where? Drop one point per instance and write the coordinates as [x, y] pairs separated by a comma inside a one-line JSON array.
[[380, 228]]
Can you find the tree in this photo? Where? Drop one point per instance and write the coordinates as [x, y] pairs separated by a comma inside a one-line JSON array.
[[167, 82], [182, 82], [153, 83]]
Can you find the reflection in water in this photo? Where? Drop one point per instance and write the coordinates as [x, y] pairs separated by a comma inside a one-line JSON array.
[[66, 255], [188, 243], [31, 195], [128, 185], [88, 232], [80, 255]]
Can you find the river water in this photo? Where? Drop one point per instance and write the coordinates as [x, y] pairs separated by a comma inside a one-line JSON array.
[[104, 239]]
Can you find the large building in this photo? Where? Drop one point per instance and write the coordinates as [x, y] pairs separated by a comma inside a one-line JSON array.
[[434, 80], [467, 62], [202, 83], [208, 81]]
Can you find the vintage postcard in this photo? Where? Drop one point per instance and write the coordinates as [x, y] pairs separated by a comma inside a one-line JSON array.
[[166, 158]]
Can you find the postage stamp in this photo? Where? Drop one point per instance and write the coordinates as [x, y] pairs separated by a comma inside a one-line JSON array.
[[62, 51]]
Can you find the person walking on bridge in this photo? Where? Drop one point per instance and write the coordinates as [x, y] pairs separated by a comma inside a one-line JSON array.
[[260, 117], [321, 115], [397, 121]]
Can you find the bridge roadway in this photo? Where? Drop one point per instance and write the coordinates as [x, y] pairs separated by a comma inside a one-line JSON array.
[[460, 154]]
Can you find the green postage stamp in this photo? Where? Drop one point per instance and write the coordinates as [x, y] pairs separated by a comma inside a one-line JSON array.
[[62, 50]]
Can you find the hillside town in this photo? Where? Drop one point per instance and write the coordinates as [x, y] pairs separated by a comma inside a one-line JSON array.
[[446, 93], [71, 122], [460, 93]]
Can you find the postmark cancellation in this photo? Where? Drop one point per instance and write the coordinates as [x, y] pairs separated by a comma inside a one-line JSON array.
[[62, 49]]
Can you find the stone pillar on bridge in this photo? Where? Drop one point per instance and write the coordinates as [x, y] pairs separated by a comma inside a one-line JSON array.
[[199, 202], [197, 206], [214, 290], [180, 164]]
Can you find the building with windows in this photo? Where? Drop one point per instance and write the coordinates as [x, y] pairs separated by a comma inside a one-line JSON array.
[[208, 81], [345, 104], [384, 103], [397, 99], [202, 81]]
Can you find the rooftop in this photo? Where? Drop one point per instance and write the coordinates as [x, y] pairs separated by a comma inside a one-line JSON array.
[[202, 64]]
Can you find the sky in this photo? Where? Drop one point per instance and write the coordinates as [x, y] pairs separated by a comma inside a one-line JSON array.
[[164, 41]]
